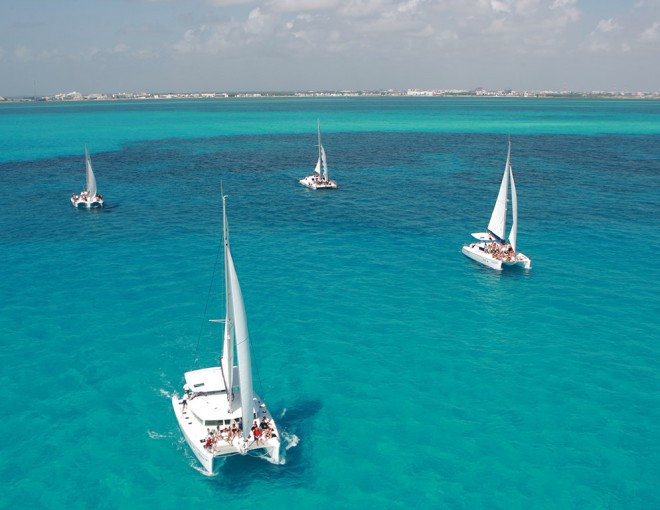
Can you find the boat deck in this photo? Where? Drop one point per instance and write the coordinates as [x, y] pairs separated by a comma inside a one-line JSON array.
[[207, 426], [495, 256], [314, 182]]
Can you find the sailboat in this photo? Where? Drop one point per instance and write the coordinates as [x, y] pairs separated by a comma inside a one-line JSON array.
[[493, 250], [90, 197], [319, 179], [219, 412]]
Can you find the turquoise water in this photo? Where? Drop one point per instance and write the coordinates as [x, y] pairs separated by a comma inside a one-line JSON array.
[[403, 373]]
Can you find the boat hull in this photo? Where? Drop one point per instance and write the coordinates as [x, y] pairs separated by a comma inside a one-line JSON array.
[[212, 458], [478, 253], [481, 257], [84, 204], [312, 183]]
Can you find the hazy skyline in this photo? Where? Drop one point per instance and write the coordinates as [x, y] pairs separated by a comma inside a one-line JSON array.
[[282, 45]]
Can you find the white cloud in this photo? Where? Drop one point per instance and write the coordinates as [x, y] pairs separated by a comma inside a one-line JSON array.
[[652, 33], [410, 6], [559, 4], [608, 25], [361, 8], [120, 48], [301, 5], [608, 37], [261, 23], [388, 25], [23, 53], [500, 6], [229, 3]]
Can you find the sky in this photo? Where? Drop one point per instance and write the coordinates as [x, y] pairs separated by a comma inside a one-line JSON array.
[[106, 46]]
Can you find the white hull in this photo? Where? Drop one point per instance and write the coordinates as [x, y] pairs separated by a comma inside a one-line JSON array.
[[479, 253], [195, 432], [313, 182], [82, 202]]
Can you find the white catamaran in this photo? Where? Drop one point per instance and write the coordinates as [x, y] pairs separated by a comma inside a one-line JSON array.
[[492, 250], [90, 197], [219, 412], [319, 180]]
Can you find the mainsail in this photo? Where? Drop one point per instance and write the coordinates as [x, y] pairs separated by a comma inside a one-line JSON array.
[[236, 312], [228, 341], [91, 181], [497, 223], [317, 169], [513, 234], [325, 163]]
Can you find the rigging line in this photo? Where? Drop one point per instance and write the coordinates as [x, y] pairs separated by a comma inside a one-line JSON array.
[[206, 306]]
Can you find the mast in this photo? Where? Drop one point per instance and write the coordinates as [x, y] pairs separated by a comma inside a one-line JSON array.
[[497, 223], [227, 362]]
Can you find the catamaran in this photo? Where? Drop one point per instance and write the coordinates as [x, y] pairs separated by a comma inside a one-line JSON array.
[[90, 197], [493, 250], [319, 180], [219, 412]]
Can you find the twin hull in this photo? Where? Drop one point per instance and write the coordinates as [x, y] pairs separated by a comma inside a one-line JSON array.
[[193, 432], [474, 252]]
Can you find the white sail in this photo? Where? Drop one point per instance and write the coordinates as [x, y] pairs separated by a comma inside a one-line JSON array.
[[317, 169], [497, 223], [325, 163], [242, 349], [91, 180], [513, 234], [228, 339], [238, 323]]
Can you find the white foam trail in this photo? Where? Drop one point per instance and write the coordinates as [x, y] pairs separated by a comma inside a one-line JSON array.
[[157, 435], [290, 440], [195, 465]]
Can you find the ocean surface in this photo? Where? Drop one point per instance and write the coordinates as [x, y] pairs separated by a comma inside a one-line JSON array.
[[403, 374]]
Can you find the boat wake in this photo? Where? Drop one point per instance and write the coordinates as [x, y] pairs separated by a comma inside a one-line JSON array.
[[165, 393], [158, 435], [289, 440], [197, 467]]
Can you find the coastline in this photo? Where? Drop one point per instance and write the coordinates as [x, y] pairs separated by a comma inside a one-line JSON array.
[[77, 96]]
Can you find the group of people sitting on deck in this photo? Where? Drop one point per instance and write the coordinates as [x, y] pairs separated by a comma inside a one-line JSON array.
[[321, 180], [214, 436], [84, 197], [500, 251], [260, 433]]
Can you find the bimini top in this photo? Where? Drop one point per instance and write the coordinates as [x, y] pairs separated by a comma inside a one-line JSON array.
[[206, 380], [483, 236]]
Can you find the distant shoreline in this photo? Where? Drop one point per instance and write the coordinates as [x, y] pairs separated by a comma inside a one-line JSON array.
[[77, 96]]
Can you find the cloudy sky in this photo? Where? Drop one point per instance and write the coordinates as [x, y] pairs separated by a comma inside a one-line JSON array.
[[51, 46]]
